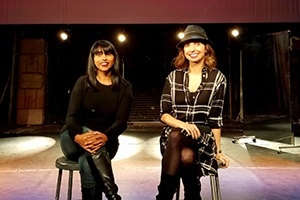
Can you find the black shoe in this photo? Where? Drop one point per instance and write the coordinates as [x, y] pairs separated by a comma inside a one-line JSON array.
[[191, 183], [167, 187]]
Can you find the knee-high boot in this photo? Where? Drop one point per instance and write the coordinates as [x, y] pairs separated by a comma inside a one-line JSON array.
[[91, 193], [88, 193], [191, 182], [98, 192], [102, 163], [167, 187]]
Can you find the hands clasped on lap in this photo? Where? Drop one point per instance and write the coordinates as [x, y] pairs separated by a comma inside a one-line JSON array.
[[91, 141]]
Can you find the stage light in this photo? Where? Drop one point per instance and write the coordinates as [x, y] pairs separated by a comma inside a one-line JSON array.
[[235, 32], [64, 35], [121, 38], [180, 35]]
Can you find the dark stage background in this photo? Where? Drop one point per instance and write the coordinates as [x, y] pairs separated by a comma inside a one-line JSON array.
[[148, 52], [150, 27]]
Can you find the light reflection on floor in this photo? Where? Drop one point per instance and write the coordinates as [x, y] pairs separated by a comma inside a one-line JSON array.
[[153, 148], [130, 146], [18, 147]]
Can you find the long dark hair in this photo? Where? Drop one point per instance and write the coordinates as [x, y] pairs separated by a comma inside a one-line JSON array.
[[91, 72], [180, 61]]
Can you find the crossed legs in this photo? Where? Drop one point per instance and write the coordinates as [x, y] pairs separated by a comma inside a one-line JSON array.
[[179, 161]]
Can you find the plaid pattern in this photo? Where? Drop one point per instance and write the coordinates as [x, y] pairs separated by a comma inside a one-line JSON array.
[[205, 110]]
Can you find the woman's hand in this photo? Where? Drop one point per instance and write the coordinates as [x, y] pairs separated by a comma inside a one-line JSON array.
[[191, 130], [91, 141], [222, 159], [95, 140]]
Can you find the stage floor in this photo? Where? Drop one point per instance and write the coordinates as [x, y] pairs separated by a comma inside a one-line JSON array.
[[257, 170]]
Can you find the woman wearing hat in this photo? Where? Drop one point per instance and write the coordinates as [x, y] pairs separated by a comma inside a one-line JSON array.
[[191, 106]]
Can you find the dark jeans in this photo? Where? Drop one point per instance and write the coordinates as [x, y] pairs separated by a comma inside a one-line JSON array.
[[74, 152]]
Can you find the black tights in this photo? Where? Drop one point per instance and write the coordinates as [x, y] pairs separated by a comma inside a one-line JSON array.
[[180, 151]]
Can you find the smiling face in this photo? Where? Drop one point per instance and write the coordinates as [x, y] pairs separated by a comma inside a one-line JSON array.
[[103, 60], [194, 51]]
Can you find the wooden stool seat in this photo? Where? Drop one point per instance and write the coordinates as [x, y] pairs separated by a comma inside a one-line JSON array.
[[63, 163]]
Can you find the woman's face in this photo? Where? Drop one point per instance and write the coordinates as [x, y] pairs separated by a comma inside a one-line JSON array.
[[194, 51], [103, 61]]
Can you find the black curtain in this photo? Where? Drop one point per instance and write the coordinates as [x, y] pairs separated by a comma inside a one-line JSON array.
[[295, 84], [266, 74]]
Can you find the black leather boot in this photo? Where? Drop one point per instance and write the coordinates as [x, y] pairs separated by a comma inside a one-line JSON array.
[[88, 193], [191, 182], [91, 193], [98, 192], [167, 187], [102, 163]]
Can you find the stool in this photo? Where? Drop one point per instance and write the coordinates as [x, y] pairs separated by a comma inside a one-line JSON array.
[[214, 187], [63, 163]]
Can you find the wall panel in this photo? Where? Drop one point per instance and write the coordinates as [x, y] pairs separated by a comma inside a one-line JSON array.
[[147, 11], [30, 104]]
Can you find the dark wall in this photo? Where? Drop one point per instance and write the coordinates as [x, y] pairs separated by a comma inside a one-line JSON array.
[[6, 57]]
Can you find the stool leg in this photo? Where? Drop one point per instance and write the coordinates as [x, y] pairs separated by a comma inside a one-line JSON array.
[[58, 184], [70, 184], [218, 188], [215, 187]]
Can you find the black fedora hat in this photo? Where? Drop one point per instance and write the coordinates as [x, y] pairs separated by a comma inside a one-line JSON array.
[[193, 32]]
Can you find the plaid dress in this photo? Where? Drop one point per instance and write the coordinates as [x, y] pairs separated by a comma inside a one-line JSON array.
[[203, 108]]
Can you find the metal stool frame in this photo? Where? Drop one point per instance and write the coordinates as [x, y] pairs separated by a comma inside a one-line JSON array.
[[63, 163]]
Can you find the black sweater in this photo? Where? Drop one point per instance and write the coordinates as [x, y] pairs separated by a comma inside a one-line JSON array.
[[100, 109]]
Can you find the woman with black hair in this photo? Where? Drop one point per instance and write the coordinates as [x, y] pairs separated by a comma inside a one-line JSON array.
[[98, 112]]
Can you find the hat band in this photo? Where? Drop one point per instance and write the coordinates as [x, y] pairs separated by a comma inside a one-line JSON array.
[[193, 35]]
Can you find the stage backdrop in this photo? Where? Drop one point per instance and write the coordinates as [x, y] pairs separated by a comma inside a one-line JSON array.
[[147, 11]]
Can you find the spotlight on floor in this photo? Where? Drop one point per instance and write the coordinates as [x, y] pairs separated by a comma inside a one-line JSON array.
[[18, 147], [129, 146], [153, 147]]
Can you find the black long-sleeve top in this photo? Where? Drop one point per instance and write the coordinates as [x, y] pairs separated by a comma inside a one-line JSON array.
[[100, 109]]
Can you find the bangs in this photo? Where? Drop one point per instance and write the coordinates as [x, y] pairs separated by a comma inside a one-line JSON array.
[[103, 47]]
